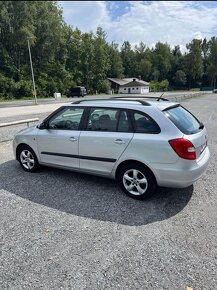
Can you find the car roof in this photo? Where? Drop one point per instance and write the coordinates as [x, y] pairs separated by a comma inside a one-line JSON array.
[[126, 103]]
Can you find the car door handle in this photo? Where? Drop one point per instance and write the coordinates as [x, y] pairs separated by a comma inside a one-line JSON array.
[[73, 139], [119, 141]]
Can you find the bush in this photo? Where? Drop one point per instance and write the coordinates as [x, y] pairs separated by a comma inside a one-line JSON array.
[[48, 85], [103, 86], [164, 85], [6, 87], [159, 86], [22, 89]]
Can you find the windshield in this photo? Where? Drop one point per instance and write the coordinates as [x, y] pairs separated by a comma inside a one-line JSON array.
[[184, 120]]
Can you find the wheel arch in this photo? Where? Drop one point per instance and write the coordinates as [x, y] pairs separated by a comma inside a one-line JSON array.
[[126, 162], [20, 146]]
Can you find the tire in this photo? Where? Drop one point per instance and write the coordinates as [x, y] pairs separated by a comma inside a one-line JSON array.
[[27, 159], [136, 181]]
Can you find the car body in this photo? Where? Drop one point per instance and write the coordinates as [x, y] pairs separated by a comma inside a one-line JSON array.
[[77, 92], [140, 142]]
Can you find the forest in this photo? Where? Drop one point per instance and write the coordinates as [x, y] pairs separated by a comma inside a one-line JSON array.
[[63, 56]]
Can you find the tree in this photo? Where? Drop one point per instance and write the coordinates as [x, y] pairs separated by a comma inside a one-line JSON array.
[[116, 66], [64, 56], [212, 61], [144, 69], [101, 63], [87, 59], [140, 51], [161, 60], [205, 55], [16, 26], [143, 66], [193, 61], [177, 64], [74, 52], [127, 56], [180, 78]]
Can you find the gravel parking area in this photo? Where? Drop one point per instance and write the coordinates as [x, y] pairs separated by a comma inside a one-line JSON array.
[[64, 230]]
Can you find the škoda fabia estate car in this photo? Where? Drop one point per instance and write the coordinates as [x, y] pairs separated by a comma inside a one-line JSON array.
[[142, 143]]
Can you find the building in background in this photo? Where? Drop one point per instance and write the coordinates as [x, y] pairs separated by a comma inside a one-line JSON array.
[[129, 86]]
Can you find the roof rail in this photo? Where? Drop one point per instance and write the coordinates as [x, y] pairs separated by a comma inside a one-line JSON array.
[[158, 98], [111, 99], [80, 101]]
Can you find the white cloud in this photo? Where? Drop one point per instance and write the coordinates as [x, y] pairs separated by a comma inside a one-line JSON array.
[[86, 15], [174, 22]]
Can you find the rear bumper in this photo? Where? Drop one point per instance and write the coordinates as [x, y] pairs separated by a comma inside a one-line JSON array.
[[183, 173]]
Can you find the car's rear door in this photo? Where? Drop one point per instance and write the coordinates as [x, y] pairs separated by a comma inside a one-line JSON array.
[[107, 134]]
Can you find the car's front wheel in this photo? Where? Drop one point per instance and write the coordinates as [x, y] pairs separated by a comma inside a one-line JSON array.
[[136, 181], [27, 158]]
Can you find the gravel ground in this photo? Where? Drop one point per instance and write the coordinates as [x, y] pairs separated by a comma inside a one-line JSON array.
[[63, 230]]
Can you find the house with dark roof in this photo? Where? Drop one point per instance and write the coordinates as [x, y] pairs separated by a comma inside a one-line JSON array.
[[129, 86]]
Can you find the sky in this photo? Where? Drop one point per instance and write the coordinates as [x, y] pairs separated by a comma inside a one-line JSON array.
[[172, 22]]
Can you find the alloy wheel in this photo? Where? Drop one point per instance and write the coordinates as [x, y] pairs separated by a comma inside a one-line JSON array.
[[135, 182], [27, 159]]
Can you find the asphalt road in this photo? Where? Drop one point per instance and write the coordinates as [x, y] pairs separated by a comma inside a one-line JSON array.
[[64, 230]]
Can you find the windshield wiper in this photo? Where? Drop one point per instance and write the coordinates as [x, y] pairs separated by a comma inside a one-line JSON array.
[[201, 126]]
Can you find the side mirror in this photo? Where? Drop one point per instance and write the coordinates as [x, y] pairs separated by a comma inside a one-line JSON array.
[[42, 126]]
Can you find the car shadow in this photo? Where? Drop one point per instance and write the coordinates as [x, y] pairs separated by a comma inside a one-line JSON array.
[[89, 196]]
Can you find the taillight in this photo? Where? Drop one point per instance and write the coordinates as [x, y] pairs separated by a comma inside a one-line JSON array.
[[184, 148]]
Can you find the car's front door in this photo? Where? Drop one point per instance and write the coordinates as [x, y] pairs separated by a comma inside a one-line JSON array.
[[58, 144], [108, 133]]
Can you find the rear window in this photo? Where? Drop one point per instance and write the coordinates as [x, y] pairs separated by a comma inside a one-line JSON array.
[[186, 122]]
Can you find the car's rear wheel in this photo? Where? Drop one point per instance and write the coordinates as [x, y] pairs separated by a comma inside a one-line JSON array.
[[27, 158], [136, 181]]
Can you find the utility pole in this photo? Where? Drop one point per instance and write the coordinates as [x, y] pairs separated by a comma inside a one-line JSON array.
[[33, 78]]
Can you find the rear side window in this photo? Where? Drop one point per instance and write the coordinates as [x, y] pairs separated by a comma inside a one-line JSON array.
[[186, 122], [110, 120], [144, 123]]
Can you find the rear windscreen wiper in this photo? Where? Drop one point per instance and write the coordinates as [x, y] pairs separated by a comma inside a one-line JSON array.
[[201, 126]]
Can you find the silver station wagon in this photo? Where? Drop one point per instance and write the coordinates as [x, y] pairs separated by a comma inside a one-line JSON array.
[[142, 143]]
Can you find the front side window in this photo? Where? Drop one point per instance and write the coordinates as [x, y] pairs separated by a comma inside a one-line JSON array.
[[144, 123], [109, 120], [66, 119]]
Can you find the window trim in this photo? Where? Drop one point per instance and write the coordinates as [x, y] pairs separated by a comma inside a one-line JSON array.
[[130, 129], [62, 108], [170, 118], [119, 110], [132, 112]]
